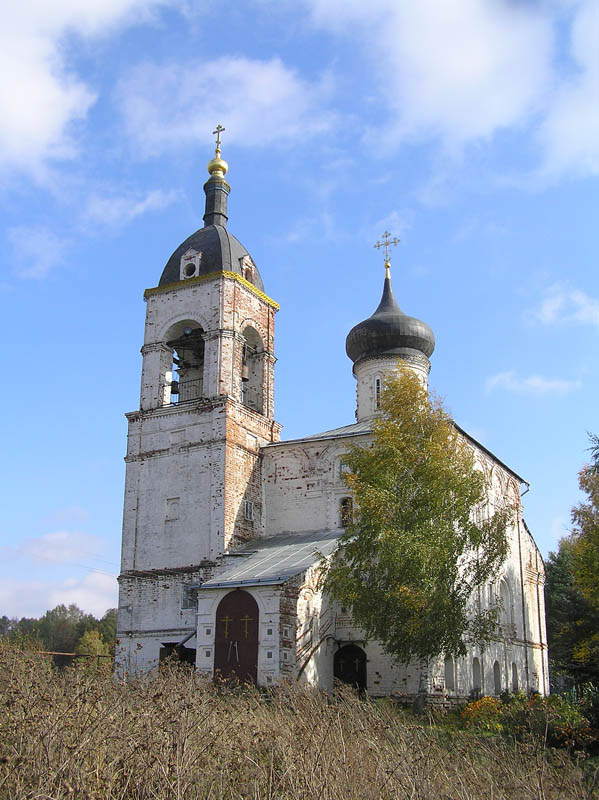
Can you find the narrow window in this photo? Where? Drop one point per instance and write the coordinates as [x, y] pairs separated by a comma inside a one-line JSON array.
[[476, 675], [346, 512], [377, 392], [449, 674], [497, 677], [514, 678], [249, 510]]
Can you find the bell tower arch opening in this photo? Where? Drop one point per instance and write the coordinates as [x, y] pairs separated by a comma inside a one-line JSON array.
[[184, 380], [252, 370]]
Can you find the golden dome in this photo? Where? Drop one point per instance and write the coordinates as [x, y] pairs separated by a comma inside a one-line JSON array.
[[218, 166]]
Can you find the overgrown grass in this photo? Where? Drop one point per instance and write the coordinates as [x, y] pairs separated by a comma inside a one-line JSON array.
[[77, 734]]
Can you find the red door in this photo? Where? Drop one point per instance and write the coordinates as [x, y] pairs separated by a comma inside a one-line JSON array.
[[236, 637]]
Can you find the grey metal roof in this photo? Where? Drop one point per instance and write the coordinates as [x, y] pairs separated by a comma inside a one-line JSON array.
[[220, 251], [356, 429], [274, 560], [365, 427]]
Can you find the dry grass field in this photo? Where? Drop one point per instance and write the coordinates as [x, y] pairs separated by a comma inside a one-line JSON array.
[[76, 734]]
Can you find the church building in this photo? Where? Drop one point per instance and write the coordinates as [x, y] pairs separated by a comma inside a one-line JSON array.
[[224, 524]]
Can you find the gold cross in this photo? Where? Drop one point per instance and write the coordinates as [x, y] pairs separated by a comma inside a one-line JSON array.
[[217, 133], [226, 620], [386, 243], [245, 620]]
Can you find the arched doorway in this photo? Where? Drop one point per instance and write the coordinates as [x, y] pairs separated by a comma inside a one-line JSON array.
[[349, 666], [236, 637]]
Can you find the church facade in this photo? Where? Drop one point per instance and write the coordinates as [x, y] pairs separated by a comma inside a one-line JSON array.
[[224, 525]]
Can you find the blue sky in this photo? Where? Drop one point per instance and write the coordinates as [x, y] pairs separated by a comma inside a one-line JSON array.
[[468, 128]]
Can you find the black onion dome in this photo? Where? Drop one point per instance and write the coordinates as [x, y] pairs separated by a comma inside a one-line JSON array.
[[220, 250], [388, 332]]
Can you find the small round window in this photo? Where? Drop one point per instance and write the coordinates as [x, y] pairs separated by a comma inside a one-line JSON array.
[[189, 270]]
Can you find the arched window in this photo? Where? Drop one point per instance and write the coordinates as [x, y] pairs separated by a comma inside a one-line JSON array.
[[185, 380], [449, 674], [514, 677], [377, 392], [476, 675], [346, 512], [251, 370], [506, 610], [342, 469], [497, 677]]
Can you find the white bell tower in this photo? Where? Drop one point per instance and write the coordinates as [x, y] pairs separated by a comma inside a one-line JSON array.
[[192, 486]]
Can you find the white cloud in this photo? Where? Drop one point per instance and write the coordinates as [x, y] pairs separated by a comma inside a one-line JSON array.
[[94, 593], [562, 303], [570, 132], [40, 95], [37, 249], [113, 210], [533, 384], [59, 547], [458, 70], [258, 102], [461, 70]]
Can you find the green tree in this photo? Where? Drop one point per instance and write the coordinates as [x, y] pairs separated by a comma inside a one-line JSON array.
[[585, 534], [107, 628], [419, 546], [92, 644], [61, 628], [572, 588], [572, 625]]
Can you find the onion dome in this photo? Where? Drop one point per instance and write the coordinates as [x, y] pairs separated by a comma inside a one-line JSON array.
[[389, 332], [212, 248]]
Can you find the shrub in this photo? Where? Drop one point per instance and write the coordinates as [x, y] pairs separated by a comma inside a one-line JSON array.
[[483, 714], [554, 720], [589, 703]]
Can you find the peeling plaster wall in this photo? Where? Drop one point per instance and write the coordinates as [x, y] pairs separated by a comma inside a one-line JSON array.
[[191, 467], [303, 488]]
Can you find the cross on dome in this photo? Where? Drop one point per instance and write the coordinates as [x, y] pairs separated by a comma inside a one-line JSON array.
[[386, 243], [217, 133], [217, 167]]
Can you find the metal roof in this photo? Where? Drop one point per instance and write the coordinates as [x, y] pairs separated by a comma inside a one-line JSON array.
[[365, 427], [274, 560], [220, 251], [356, 429]]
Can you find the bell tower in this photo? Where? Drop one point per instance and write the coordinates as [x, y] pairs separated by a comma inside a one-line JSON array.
[[193, 484]]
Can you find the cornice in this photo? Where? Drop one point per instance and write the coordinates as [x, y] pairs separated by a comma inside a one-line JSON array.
[[211, 276]]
